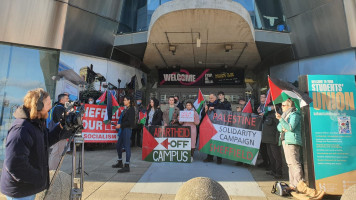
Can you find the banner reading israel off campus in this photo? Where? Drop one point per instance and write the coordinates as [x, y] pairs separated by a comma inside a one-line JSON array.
[[231, 135], [333, 128], [166, 144], [95, 131]]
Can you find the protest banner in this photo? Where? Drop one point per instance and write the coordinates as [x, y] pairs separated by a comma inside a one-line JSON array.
[[332, 114], [231, 135], [186, 116], [95, 131], [166, 144]]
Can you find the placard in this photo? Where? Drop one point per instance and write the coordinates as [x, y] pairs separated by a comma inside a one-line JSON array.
[[95, 131], [166, 144], [231, 135], [186, 116]]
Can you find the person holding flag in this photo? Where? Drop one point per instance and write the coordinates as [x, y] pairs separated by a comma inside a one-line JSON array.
[[199, 103], [291, 139], [289, 125], [127, 124]]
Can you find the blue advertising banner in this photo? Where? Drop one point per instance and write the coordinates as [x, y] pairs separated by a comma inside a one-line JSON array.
[[333, 129]]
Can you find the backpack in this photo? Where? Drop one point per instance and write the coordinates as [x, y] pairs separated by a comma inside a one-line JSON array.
[[281, 189]]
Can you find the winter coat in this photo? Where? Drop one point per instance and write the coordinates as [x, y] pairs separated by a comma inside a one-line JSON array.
[[157, 118], [25, 171], [180, 106], [203, 113], [128, 118], [193, 126], [225, 105], [293, 127], [174, 117], [270, 134]]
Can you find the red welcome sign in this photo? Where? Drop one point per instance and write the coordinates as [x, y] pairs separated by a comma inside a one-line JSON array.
[[95, 131]]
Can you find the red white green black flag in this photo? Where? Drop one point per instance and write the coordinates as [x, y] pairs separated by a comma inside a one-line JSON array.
[[281, 91]]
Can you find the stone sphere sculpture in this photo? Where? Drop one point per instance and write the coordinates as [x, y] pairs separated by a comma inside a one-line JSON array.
[[350, 193], [201, 188]]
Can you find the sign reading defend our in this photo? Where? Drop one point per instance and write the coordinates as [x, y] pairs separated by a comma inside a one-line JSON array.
[[95, 131], [166, 144], [231, 135]]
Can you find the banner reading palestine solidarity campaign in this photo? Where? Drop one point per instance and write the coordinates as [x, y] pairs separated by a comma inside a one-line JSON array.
[[166, 144], [232, 135]]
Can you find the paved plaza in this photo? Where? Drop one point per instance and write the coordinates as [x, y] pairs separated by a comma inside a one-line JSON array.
[[161, 181]]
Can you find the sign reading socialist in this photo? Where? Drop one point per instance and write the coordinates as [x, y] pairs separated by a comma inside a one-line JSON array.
[[95, 131]]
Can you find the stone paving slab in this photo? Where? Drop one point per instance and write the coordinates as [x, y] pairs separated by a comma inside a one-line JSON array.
[[166, 178]]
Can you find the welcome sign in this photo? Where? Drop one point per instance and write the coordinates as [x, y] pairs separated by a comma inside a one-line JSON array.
[[166, 144], [200, 77], [231, 135]]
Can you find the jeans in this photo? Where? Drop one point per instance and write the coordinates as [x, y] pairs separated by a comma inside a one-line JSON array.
[[32, 197], [124, 140]]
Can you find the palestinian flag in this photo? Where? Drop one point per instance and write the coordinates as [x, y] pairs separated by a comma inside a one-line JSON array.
[[101, 99], [281, 91], [248, 107], [142, 117], [199, 103], [268, 101], [111, 107]]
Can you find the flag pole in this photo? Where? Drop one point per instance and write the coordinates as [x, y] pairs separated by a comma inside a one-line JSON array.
[[270, 91]]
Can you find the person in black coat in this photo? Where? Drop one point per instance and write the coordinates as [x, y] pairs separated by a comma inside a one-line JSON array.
[[213, 104], [178, 103], [127, 124], [223, 104], [270, 136], [25, 171], [154, 114]]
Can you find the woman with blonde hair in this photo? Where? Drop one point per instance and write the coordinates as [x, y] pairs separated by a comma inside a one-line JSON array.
[[25, 171]]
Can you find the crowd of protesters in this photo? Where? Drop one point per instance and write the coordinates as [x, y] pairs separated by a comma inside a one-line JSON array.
[[27, 160]]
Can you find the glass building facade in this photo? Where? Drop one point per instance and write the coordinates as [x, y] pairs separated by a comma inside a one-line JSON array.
[[265, 14], [22, 69]]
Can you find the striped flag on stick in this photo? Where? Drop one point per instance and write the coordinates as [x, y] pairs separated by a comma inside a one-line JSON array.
[[101, 99], [281, 91], [199, 103], [111, 107], [268, 101]]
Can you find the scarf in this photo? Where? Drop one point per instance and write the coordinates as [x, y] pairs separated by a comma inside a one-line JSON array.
[[285, 116]]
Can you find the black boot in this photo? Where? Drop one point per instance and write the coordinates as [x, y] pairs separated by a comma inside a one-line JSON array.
[[125, 169], [118, 164]]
